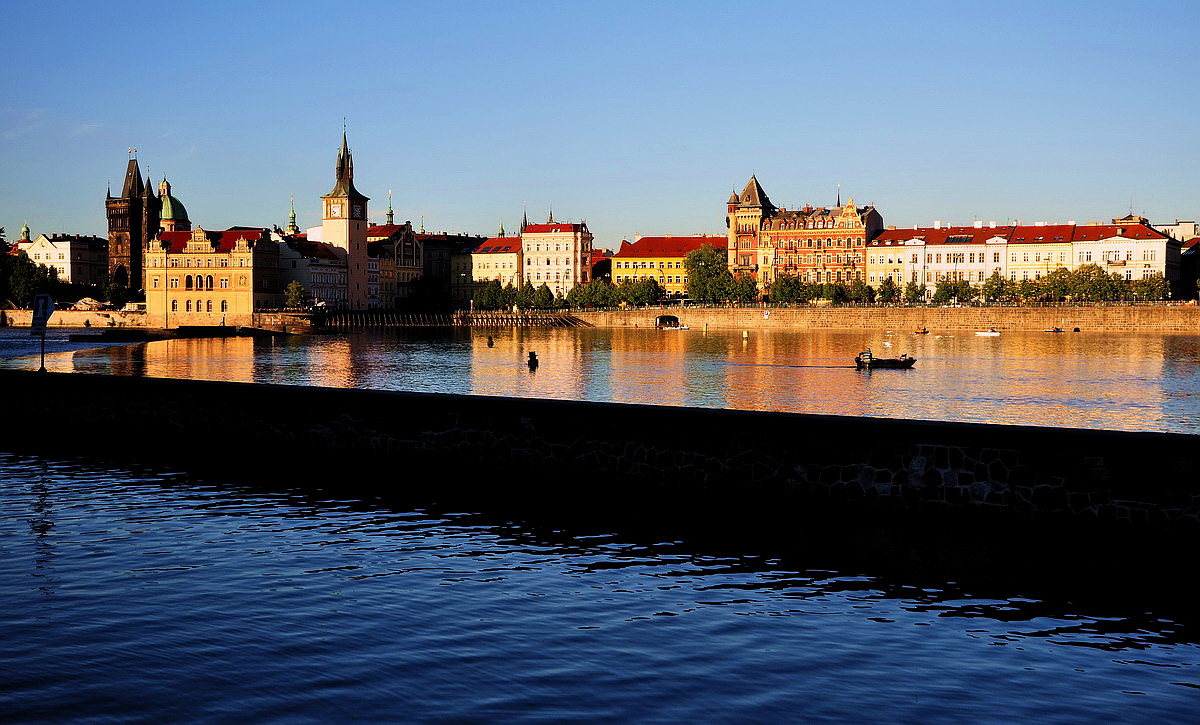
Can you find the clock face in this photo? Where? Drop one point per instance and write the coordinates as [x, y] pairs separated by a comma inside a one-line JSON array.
[[335, 210]]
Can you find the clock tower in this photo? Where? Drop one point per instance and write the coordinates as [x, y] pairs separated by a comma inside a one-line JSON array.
[[344, 224]]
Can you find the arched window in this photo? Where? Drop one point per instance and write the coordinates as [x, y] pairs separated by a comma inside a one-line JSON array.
[[208, 282], [208, 304], [197, 305], [174, 305], [224, 305], [189, 305], [187, 282]]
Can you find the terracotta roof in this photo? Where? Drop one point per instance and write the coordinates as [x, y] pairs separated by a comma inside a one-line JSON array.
[[668, 246], [554, 228], [499, 245], [1107, 231], [944, 235], [384, 230], [225, 240], [1048, 234]]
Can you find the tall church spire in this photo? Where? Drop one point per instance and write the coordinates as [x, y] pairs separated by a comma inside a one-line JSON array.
[[550, 216], [839, 202], [291, 227], [389, 209], [501, 228], [524, 218]]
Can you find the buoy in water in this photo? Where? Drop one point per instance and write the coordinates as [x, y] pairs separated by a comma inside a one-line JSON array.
[[533, 361]]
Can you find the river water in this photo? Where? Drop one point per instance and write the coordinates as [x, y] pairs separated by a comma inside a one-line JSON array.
[[154, 595], [1089, 380]]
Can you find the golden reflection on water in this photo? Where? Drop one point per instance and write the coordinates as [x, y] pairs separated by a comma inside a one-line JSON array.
[[1123, 381]]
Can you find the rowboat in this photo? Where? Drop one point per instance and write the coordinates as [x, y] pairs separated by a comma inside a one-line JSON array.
[[988, 333], [867, 361]]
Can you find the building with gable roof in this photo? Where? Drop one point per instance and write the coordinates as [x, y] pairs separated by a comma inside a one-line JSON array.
[[320, 268], [815, 244], [497, 258], [660, 259], [1131, 249], [203, 277], [77, 259]]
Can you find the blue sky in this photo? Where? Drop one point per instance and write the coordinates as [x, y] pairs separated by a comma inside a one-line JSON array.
[[637, 117]]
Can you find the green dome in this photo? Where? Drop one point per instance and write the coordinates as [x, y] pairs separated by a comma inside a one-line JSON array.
[[172, 209]]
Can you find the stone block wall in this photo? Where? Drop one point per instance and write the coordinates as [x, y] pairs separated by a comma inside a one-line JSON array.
[[1126, 318], [398, 440]]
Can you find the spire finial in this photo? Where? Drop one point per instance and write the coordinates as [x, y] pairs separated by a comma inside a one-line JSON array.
[[390, 218], [501, 228], [422, 224], [550, 216], [839, 187]]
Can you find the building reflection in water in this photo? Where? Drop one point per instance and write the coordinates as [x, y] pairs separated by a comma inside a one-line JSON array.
[[1096, 380]]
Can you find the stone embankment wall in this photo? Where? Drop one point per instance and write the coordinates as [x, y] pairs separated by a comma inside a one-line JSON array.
[[1128, 318], [79, 318], [781, 461], [278, 321]]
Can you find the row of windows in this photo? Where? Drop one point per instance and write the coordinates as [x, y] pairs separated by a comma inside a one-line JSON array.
[[818, 243], [665, 279], [649, 265], [201, 306], [793, 259]]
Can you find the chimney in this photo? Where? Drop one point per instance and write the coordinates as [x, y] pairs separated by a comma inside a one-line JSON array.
[[992, 224], [937, 223], [1071, 222], [1039, 224], [979, 224]]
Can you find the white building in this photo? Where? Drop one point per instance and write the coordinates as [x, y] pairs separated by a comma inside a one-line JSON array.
[[1181, 230], [320, 268], [556, 254], [78, 259], [1134, 251]]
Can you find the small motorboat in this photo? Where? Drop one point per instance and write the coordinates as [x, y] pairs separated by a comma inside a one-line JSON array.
[[921, 331], [1054, 329], [675, 327], [867, 361], [989, 333]]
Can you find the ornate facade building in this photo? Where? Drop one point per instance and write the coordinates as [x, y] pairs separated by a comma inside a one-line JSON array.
[[815, 244], [203, 277], [557, 254]]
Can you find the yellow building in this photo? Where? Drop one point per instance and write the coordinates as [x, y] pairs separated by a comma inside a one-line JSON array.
[[497, 258], [211, 278], [1036, 251], [660, 259]]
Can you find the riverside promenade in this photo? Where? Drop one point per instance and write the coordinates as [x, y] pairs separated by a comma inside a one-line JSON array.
[[400, 443]]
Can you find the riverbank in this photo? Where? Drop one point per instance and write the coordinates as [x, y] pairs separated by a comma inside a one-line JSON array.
[[293, 322], [585, 451], [1129, 318]]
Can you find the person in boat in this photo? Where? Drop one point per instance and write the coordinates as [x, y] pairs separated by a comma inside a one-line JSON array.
[[991, 329]]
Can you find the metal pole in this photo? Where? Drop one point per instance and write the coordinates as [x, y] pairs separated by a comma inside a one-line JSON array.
[[42, 369]]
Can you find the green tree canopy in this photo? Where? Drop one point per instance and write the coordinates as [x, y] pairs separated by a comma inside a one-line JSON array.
[[709, 279], [888, 291], [543, 298], [294, 295]]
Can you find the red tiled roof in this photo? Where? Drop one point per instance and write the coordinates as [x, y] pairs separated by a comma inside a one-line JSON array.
[[1047, 234], [1107, 231], [554, 228], [226, 240], [930, 236], [668, 246], [384, 230], [499, 245]]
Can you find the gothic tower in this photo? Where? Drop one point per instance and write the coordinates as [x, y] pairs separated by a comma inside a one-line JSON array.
[[744, 216], [344, 224], [133, 220]]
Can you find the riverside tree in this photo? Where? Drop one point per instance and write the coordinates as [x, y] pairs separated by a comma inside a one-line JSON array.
[[294, 295], [888, 291], [709, 279], [543, 298], [21, 279], [914, 292]]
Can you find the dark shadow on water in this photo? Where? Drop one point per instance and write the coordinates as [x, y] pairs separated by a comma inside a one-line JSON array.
[[955, 565]]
